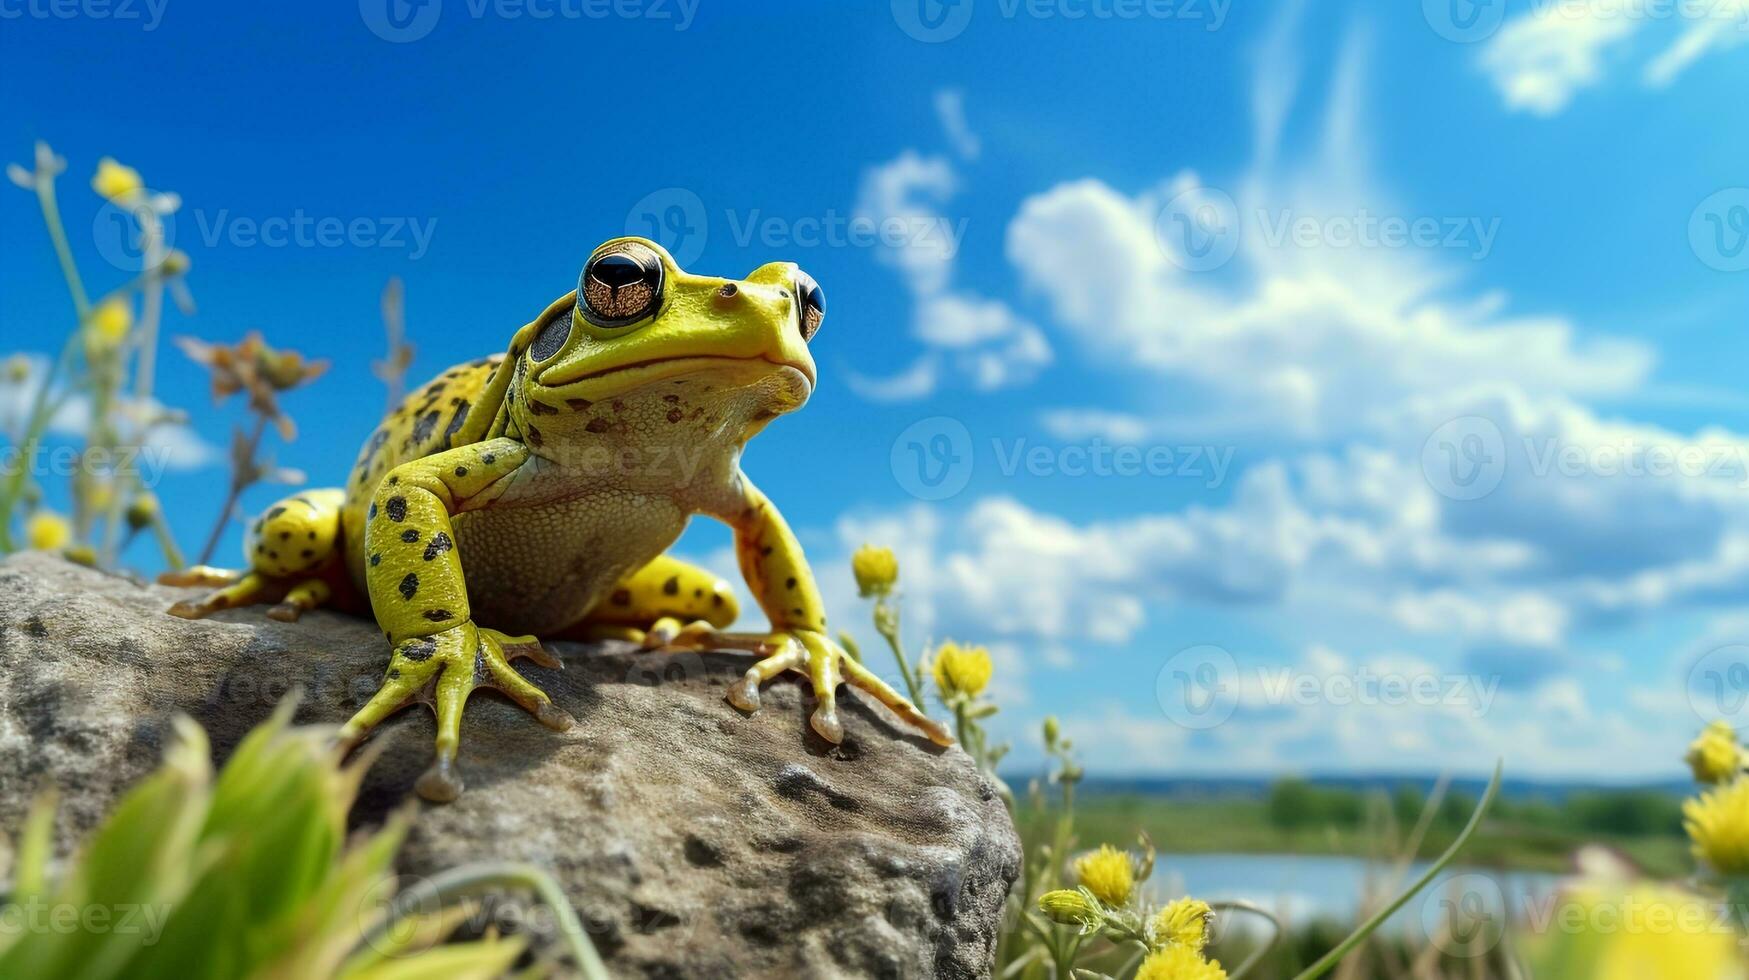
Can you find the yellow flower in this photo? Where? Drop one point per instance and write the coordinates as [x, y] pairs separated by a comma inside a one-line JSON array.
[[961, 671], [1071, 907], [1184, 922], [1108, 873], [108, 325], [1717, 822], [1179, 963], [17, 369], [1653, 931], [142, 510], [876, 570], [1053, 731], [115, 181], [1715, 756], [47, 531]]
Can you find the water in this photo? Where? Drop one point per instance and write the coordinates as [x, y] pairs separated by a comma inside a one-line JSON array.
[[1300, 888]]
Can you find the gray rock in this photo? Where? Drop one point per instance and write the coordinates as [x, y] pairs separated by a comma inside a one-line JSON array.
[[693, 840]]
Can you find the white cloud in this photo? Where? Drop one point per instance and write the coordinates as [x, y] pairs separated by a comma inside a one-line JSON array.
[[974, 338], [950, 109], [169, 446], [1541, 59]]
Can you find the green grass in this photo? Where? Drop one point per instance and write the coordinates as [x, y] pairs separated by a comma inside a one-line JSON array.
[[1242, 826]]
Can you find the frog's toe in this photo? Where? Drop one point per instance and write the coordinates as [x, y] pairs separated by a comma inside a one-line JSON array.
[[440, 783], [496, 652], [244, 590], [443, 669], [744, 694]]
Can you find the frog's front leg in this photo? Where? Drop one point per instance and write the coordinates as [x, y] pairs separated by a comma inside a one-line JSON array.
[[776, 571], [414, 576]]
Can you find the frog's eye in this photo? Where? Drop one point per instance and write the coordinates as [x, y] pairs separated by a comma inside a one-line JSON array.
[[812, 301], [620, 284]]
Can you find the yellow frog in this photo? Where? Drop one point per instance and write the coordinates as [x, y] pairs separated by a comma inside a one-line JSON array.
[[535, 492]]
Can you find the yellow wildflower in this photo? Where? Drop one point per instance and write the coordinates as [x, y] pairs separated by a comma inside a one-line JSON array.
[[17, 369], [1071, 907], [47, 531], [117, 182], [876, 570], [108, 325], [1715, 756], [1183, 922], [1717, 822], [1179, 963], [142, 510], [1108, 873], [1053, 731], [1653, 931], [961, 671]]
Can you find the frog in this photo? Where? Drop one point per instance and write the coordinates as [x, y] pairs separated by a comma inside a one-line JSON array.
[[533, 495]]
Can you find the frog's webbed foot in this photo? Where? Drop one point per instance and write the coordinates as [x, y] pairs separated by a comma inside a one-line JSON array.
[[807, 652], [232, 589], [442, 670]]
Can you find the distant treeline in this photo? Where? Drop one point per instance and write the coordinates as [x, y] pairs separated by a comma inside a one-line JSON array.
[[1296, 804]]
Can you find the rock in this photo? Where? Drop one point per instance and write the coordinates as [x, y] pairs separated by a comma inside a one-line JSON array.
[[693, 840]]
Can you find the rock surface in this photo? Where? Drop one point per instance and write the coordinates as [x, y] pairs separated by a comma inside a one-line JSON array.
[[694, 841]]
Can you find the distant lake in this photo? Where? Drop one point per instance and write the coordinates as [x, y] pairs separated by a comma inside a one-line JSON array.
[[1300, 888]]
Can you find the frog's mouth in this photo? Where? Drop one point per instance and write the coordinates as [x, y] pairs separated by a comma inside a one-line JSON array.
[[636, 374]]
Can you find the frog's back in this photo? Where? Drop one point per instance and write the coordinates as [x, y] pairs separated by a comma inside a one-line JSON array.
[[454, 409]]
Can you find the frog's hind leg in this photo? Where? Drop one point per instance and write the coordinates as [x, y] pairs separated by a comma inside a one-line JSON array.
[[293, 551], [653, 604]]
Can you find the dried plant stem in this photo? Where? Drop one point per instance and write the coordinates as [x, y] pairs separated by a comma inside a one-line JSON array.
[[38, 420], [240, 481], [146, 339], [1330, 959]]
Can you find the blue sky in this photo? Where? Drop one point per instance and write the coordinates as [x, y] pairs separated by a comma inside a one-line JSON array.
[[1297, 276]]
